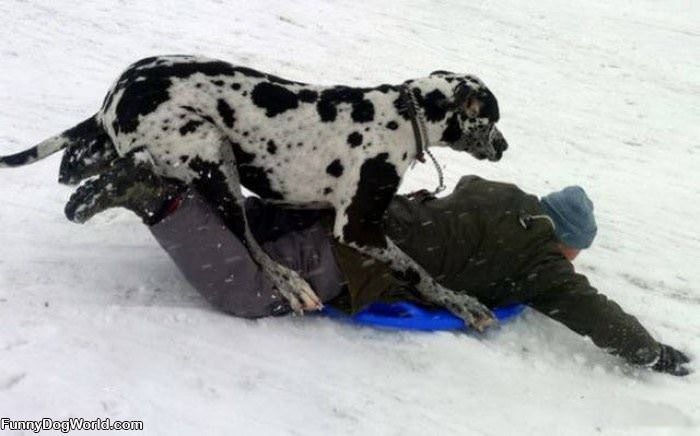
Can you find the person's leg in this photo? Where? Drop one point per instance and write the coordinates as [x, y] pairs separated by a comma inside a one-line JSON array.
[[212, 259]]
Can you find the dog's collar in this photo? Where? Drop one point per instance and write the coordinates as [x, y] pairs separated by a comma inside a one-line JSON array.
[[411, 107]]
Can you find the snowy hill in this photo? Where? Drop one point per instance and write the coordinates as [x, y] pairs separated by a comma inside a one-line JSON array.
[[96, 322]]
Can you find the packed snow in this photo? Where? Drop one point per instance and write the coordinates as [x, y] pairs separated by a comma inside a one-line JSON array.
[[96, 322]]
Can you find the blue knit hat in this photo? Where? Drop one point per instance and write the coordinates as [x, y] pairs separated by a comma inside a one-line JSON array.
[[572, 213]]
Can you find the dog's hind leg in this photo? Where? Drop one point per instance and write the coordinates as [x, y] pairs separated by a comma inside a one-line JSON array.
[[129, 182], [359, 224], [219, 183]]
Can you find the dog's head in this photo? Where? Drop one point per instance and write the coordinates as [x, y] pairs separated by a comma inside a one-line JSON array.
[[471, 113]]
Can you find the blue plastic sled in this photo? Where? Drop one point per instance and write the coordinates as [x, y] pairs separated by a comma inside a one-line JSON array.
[[408, 316]]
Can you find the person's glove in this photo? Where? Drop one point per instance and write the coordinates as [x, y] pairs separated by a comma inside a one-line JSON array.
[[671, 361]]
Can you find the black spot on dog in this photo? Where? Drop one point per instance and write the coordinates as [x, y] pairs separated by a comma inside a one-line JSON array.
[[235, 86], [145, 61], [274, 98], [198, 85], [184, 159], [272, 78], [327, 190], [249, 72], [392, 125], [242, 157], [255, 179], [327, 111], [146, 84], [378, 183], [138, 99], [386, 88], [363, 112], [190, 127], [89, 153], [355, 139], [85, 131], [433, 104], [411, 277], [405, 156], [212, 184], [227, 113], [335, 168], [308, 96], [453, 132], [401, 107], [21, 158], [271, 147], [107, 101], [218, 82]]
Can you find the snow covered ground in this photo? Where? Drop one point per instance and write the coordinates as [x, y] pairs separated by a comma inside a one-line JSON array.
[[96, 322]]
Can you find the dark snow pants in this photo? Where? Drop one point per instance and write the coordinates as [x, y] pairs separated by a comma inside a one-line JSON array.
[[218, 265]]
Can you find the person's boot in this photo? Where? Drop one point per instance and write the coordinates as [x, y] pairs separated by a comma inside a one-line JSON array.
[[130, 184]]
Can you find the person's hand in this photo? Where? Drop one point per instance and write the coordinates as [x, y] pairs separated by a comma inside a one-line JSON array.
[[671, 361]]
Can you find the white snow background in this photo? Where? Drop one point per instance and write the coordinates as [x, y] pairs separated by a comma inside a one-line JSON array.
[[95, 321]]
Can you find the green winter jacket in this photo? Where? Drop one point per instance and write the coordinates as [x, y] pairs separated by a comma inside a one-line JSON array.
[[486, 239]]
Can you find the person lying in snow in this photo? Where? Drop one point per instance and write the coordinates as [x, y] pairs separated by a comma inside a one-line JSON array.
[[487, 238]]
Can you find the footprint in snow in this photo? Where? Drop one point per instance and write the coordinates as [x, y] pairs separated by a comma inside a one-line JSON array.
[[10, 382]]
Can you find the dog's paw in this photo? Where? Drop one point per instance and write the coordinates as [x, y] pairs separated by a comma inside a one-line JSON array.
[[82, 205], [482, 319], [296, 290], [474, 314]]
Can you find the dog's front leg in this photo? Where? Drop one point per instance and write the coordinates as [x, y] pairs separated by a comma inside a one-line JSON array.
[[465, 306], [359, 224], [219, 183]]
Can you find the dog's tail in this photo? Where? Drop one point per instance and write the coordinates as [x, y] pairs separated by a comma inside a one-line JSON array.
[[48, 146]]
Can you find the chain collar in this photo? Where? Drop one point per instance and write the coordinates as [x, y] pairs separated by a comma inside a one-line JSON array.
[[410, 105]]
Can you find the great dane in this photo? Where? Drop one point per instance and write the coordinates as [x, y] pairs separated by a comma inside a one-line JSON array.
[[218, 126]]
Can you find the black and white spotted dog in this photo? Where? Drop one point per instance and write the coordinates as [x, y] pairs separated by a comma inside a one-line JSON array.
[[217, 126]]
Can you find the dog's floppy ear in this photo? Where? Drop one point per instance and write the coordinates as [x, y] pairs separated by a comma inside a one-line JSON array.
[[474, 104], [460, 96]]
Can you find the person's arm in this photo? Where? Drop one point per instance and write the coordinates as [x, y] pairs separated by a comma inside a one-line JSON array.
[[218, 264], [570, 299]]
